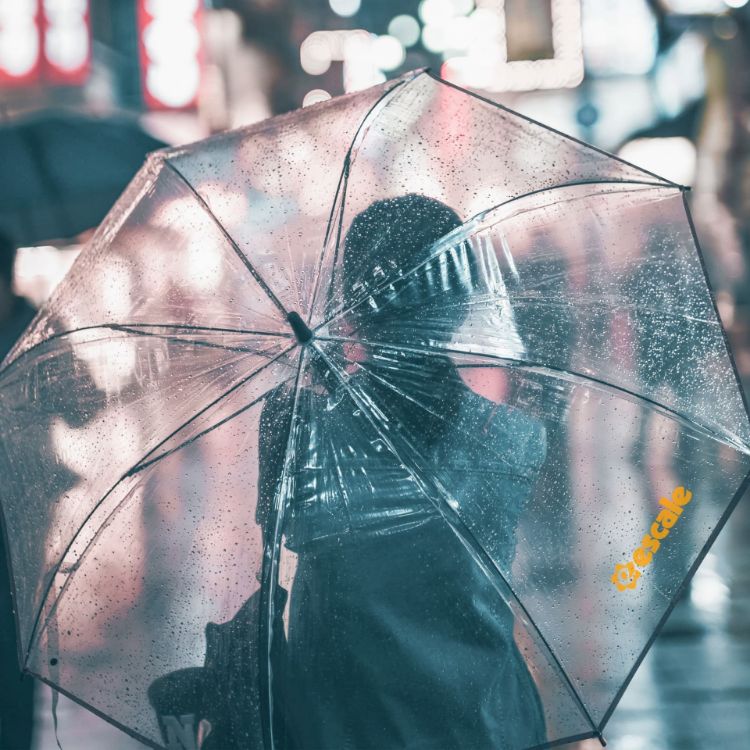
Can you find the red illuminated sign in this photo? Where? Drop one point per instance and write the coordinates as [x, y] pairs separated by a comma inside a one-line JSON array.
[[170, 52], [66, 35], [46, 40], [20, 42]]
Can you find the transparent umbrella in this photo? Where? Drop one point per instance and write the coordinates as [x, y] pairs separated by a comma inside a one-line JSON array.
[[398, 421]]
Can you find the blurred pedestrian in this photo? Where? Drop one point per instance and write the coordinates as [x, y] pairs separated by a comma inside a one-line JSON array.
[[16, 692], [15, 311]]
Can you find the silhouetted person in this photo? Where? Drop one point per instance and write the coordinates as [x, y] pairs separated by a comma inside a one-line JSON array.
[[16, 694], [397, 639]]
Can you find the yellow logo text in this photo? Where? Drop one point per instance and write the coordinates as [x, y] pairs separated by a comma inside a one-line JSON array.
[[626, 574]]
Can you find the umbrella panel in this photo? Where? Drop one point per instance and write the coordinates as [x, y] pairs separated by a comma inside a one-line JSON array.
[[570, 331], [381, 596], [593, 281], [591, 311], [190, 517], [85, 404], [158, 260], [271, 186], [430, 138]]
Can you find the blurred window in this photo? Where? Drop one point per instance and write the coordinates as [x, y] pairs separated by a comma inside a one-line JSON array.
[[529, 29]]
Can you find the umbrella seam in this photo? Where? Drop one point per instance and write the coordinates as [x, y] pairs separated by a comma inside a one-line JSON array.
[[124, 328], [383, 381], [269, 571], [341, 190]]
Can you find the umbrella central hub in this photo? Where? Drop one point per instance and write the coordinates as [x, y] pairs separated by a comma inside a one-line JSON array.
[[301, 331]]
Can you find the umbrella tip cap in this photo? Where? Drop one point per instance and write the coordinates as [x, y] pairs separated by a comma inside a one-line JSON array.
[[301, 331]]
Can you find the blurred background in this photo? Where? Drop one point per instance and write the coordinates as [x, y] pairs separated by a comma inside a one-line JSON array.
[[663, 83]]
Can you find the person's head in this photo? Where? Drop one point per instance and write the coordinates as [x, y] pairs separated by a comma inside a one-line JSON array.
[[408, 294], [390, 239]]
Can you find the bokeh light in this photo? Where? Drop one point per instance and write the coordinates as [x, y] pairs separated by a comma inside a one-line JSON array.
[[345, 8], [315, 96], [406, 29]]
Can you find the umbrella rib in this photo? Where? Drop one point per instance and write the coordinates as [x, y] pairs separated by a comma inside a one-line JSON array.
[[125, 326], [269, 571], [562, 374], [337, 244], [144, 464], [391, 387], [245, 260], [341, 191], [194, 342], [464, 534], [126, 475], [448, 241]]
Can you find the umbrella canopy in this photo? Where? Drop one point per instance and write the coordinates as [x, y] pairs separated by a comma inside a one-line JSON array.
[[398, 421], [62, 171]]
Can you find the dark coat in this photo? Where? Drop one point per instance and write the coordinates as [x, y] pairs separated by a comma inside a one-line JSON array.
[[396, 638]]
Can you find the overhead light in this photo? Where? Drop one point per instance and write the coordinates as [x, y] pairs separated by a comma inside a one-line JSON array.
[[675, 158], [19, 41], [405, 29], [315, 96], [436, 11], [435, 37], [357, 49], [388, 53], [345, 8], [485, 65], [316, 53], [170, 50]]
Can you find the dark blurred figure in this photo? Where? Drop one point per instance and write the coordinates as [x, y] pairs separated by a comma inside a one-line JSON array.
[[16, 692], [276, 32], [15, 312]]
